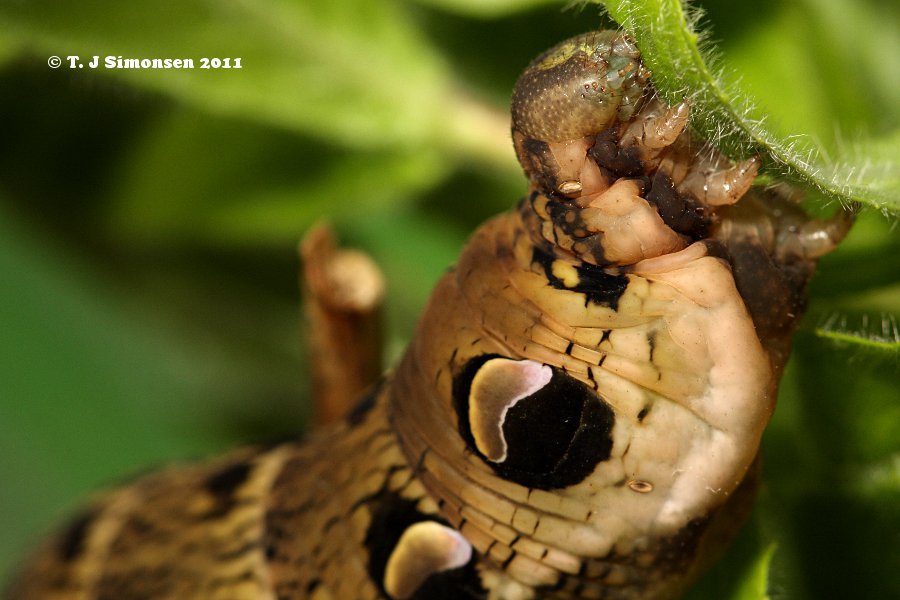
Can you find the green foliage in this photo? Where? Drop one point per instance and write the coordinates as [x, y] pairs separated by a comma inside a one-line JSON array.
[[754, 585], [879, 347], [333, 69], [148, 224], [674, 50]]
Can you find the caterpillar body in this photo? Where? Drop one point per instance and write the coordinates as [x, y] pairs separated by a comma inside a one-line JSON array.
[[578, 415]]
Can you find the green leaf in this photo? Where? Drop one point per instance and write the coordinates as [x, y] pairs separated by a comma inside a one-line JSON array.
[[8, 49], [80, 377], [883, 347], [829, 492], [377, 184], [754, 584], [880, 480], [341, 69], [231, 181], [487, 8], [675, 51], [354, 72]]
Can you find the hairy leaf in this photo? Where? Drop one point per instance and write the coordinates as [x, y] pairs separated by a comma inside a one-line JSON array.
[[675, 50]]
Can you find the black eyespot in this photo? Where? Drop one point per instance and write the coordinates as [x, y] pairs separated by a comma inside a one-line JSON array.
[[554, 437], [391, 516]]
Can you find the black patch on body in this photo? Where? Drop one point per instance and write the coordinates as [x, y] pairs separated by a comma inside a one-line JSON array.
[[455, 584], [538, 162], [391, 516], [555, 438], [566, 217], [643, 414], [680, 213], [716, 249], [222, 485], [597, 285], [616, 161], [74, 538], [535, 147], [773, 293], [365, 404], [676, 553]]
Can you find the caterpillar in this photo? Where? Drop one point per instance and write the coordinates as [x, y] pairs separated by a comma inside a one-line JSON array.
[[578, 415]]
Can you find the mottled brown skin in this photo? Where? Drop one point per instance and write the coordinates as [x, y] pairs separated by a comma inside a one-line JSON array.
[[647, 300], [286, 522]]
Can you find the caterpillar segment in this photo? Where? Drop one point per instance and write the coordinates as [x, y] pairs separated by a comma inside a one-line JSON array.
[[578, 415]]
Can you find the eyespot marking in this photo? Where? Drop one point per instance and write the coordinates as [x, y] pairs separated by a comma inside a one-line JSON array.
[[424, 549], [555, 437], [496, 388], [392, 515]]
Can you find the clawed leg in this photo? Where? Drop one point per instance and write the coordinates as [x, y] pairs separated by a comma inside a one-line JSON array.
[[636, 150], [816, 238], [659, 138], [658, 129], [715, 186], [773, 220]]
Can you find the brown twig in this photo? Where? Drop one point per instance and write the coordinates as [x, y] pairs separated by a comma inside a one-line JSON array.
[[344, 290]]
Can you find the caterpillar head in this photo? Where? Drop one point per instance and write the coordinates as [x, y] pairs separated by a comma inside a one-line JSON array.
[[579, 87], [576, 89]]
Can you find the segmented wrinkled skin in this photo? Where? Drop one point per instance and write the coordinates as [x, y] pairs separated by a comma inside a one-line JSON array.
[[583, 400]]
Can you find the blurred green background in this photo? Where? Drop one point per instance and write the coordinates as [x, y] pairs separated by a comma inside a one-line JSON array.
[[148, 223]]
